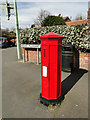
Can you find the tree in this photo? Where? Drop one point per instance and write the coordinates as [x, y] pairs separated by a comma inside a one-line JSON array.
[[79, 17], [42, 15], [8, 34], [33, 25], [13, 29], [53, 20], [5, 32]]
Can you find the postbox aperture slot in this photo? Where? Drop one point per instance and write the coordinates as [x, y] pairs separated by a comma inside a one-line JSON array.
[[44, 52]]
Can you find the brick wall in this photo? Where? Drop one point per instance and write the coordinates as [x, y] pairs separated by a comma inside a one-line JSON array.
[[84, 59], [31, 56]]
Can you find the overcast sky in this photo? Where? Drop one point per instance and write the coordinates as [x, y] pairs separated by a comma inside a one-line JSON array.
[[28, 11]]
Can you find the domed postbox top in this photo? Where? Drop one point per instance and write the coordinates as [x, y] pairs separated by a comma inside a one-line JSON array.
[[51, 35]]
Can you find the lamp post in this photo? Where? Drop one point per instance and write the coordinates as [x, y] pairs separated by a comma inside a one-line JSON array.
[[17, 31]]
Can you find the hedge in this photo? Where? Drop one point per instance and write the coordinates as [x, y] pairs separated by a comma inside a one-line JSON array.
[[75, 35]]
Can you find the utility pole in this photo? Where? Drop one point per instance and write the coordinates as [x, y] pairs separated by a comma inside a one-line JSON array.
[[17, 31]]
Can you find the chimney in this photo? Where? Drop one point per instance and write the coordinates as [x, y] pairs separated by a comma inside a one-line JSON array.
[[59, 15]]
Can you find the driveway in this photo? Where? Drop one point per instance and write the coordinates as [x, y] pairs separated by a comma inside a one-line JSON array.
[[21, 89]]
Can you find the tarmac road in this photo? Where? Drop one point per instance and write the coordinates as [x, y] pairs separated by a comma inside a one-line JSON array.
[[21, 89]]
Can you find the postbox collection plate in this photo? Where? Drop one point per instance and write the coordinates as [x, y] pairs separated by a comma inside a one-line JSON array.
[[44, 71]]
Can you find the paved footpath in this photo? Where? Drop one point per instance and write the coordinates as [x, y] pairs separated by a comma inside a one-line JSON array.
[[21, 89]]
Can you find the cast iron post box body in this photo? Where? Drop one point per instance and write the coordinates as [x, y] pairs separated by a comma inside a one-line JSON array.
[[51, 65]]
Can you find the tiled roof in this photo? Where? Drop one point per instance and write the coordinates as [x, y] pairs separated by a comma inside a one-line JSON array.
[[65, 17], [77, 22], [37, 27]]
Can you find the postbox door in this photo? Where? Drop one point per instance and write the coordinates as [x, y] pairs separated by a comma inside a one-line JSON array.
[[53, 71]]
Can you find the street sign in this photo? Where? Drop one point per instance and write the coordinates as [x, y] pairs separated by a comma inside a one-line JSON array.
[[31, 45]]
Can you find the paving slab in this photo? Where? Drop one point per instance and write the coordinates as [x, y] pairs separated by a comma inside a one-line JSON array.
[[21, 89]]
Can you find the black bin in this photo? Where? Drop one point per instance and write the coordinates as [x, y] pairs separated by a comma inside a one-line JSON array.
[[70, 58]]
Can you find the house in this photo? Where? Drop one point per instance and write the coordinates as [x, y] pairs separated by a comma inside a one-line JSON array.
[[37, 27], [79, 22], [66, 18], [76, 22]]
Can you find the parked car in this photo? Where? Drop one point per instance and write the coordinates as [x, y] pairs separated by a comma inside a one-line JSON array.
[[10, 43], [4, 43], [14, 41]]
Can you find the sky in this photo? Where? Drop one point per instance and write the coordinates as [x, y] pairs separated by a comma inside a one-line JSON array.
[[28, 11]]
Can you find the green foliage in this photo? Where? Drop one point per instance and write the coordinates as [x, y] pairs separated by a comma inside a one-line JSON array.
[[57, 105], [53, 20], [8, 35], [75, 35], [50, 106], [33, 25], [80, 17]]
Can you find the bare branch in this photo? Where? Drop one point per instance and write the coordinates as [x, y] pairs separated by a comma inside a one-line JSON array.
[[42, 14]]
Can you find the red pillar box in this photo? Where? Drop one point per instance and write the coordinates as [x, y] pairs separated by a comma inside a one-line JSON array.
[[51, 66]]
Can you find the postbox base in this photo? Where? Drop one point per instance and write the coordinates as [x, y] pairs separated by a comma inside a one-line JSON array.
[[53, 101]]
